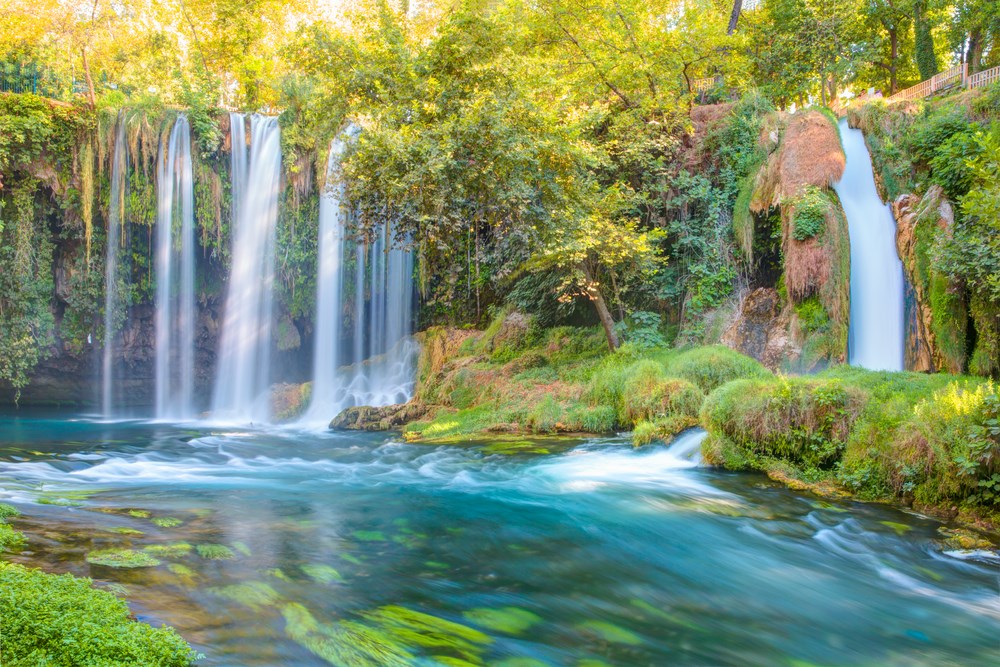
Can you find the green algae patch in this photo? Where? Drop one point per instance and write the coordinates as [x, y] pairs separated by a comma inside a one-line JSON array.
[[609, 632], [181, 570], [93, 627], [369, 536], [344, 642], [175, 550], [323, 574], [59, 501], [139, 514], [166, 521], [8, 511], [509, 620], [252, 594], [900, 528], [125, 530], [215, 552], [242, 548], [121, 558]]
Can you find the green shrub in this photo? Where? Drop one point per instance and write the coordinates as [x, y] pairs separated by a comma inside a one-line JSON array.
[[592, 419], [544, 416], [664, 429], [63, 621], [649, 398], [713, 366], [804, 421], [10, 539], [809, 213]]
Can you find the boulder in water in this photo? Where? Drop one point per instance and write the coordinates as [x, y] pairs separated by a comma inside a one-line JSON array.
[[368, 418]]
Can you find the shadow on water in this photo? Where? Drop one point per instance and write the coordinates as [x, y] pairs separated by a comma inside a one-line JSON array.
[[304, 548]]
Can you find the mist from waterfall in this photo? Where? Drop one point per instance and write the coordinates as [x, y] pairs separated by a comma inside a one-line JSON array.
[[373, 276], [176, 315], [876, 328], [243, 371], [116, 220]]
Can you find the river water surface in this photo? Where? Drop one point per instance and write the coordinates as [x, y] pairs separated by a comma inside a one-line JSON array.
[[360, 550]]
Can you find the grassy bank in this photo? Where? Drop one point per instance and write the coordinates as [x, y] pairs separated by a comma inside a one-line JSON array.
[[929, 441], [515, 379], [62, 620]]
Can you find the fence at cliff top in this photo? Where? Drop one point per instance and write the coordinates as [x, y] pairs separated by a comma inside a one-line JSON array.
[[34, 79], [957, 76]]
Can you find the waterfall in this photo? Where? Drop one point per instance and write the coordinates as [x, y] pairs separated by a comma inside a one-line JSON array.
[[243, 372], [119, 176], [875, 339], [176, 315], [326, 357], [375, 277], [238, 162]]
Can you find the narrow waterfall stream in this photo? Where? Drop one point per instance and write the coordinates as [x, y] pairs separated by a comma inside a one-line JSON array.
[[116, 219], [243, 372], [875, 340], [175, 303], [329, 324], [381, 359]]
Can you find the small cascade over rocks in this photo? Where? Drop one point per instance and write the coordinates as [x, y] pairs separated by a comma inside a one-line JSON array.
[[876, 330], [685, 449], [116, 221], [243, 372], [176, 313], [374, 276]]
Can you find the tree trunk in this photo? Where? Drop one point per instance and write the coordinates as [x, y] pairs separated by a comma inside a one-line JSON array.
[[601, 306], [975, 50], [734, 18], [893, 60], [91, 97]]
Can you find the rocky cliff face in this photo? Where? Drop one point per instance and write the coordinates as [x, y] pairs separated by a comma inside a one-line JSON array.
[[72, 376], [935, 320]]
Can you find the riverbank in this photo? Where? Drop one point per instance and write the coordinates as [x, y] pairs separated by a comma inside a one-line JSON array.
[[929, 442]]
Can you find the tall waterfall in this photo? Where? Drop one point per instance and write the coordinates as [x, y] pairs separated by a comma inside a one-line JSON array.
[[243, 372], [175, 303], [876, 329], [116, 210], [375, 278], [238, 162]]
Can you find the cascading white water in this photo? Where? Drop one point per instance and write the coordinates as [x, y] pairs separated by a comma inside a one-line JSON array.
[[238, 163], [384, 350], [243, 372], [326, 356], [175, 303], [876, 328], [378, 368], [116, 210]]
